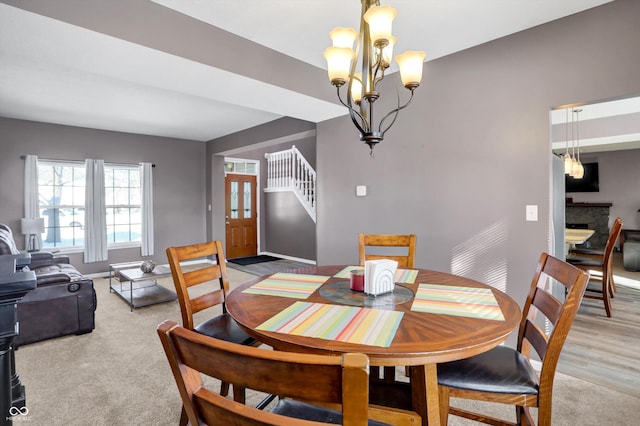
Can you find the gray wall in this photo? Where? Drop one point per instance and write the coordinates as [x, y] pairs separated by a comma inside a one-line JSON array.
[[280, 218], [463, 161], [178, 195], [619, 173]]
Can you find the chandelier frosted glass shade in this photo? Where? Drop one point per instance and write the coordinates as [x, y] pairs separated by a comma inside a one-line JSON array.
[[340, 59], [373, 51], [380, 20], [568, 164], [410, 63]]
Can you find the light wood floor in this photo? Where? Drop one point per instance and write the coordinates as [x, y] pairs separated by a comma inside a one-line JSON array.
[[605, 350]]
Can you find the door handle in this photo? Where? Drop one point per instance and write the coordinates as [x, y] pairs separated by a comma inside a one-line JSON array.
[[228, 223]]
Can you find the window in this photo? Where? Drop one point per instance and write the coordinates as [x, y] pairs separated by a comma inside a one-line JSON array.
[[122, 201], [61, 188], [61, 194]]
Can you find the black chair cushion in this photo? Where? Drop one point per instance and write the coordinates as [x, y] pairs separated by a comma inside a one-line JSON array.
[[304, 411], [584, 261], [500, 370], [224, 327], [580, 250]]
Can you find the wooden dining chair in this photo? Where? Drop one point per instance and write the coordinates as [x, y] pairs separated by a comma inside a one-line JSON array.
[[301, 380], [602, 287], [206, 288], [388, 241], [506, 375], [394, 243], [598, 253]]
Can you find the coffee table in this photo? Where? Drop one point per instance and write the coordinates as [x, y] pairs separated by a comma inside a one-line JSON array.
[[139, 288]]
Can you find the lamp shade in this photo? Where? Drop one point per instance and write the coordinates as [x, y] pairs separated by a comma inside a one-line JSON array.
[[356, 88], [343, 37], [380, 20], [339, 63], [568, 164], [387, 52], [32, 226], [411, 63]]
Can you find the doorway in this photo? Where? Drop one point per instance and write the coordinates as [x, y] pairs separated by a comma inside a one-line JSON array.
[[240, 216]]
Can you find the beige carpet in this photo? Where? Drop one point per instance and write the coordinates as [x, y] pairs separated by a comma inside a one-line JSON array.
[[118, 375]]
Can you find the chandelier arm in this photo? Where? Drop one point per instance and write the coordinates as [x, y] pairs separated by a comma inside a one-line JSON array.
[[378, 79], [355, 115], [379, 68], [394, 111]]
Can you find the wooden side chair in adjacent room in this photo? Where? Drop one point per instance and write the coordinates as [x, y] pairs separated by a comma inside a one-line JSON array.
[[506, 375], [372, 240], [312, 389], [603, 287], [212, 287]]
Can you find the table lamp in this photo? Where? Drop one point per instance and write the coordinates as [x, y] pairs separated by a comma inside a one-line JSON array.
[[32, 227]]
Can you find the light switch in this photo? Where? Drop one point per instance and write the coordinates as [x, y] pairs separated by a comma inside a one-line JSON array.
[[532, 213], [361, 191]]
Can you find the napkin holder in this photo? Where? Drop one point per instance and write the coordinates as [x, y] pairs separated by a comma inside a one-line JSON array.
[[379, 275]]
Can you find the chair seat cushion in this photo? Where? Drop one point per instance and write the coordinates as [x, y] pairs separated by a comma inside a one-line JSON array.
[[500, 370], [591, 251], [224, 327], [304, 411], [584, 261]]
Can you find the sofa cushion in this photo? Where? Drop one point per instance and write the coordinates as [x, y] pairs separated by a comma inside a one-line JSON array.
[[7, 243], [58, 269]]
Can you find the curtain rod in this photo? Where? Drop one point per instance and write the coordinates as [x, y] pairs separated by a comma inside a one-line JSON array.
[[22, 157]]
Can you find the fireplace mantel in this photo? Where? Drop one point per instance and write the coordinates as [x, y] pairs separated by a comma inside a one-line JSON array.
[[589, 204]]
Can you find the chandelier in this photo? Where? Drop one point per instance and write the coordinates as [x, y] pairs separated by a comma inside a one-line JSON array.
[[374, 49], [572, 165]]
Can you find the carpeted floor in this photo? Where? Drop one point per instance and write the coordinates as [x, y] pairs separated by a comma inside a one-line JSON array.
[[118, 375]]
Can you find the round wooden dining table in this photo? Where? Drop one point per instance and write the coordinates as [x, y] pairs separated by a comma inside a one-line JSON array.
[[421, 341]]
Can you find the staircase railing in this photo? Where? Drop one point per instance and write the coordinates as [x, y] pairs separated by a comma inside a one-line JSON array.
[[288, 170]]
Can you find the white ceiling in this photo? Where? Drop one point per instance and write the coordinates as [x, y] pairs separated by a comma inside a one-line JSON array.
[[56, 72], [610, 125]]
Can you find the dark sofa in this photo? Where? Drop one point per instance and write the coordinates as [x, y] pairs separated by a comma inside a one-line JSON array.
[[63, 303]]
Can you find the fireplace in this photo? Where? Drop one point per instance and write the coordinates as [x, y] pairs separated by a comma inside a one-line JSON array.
[[590, 216]]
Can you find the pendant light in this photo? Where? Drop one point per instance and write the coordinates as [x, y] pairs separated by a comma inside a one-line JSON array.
[[568, 161]]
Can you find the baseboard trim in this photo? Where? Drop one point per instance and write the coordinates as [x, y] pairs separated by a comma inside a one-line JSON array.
[[284, 256]]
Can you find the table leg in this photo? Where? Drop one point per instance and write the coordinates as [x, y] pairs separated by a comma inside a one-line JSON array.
[[424, 391], [131, 295]]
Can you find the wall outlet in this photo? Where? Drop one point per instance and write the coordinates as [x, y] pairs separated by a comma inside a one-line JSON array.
[[532, 213], [361, 191]]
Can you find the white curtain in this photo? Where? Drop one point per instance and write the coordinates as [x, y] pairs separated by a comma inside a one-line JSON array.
[[146, 173], [95, 233], [31, 207]]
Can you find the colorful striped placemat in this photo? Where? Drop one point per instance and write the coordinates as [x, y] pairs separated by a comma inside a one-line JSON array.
[[406, 276], [470, 302], [351, 324], [297, 286]]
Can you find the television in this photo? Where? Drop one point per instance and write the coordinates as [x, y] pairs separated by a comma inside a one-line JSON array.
[[589, 182]]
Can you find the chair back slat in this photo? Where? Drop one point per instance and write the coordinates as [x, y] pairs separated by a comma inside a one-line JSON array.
[[547, 304], [202, 275], [374, 240], [207, 300], [536, 337], [315, 378]]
